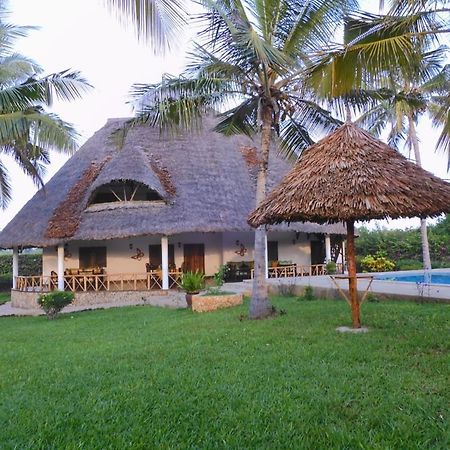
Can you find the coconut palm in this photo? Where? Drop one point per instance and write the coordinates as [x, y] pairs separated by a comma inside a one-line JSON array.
[[251, 55], [408, 95], [27, 131]]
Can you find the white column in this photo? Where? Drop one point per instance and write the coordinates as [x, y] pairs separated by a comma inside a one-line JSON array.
[[266, 257], [15, 267], [165, 261], [60, 267], [327, 248]]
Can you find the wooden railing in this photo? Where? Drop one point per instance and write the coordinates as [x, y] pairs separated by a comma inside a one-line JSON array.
[[298, 270], [103, 282]]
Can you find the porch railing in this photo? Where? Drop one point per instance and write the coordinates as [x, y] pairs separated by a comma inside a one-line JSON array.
[[299, 270], [103, 282]]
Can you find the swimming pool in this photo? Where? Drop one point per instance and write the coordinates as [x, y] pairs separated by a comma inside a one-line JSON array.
[[436, 278]]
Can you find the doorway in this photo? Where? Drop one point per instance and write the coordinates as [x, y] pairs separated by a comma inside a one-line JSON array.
[[155, 257], [317, 252], [194, 258]]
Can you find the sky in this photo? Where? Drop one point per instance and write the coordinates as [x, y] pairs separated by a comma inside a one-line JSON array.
[[85, 36]]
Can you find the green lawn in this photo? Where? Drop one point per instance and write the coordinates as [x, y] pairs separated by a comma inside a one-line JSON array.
[[5, 297], [143, 377]]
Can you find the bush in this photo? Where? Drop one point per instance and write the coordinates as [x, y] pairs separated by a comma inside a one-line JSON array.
[[29, 264], [53, 302], [193, 282], [409, 264], [377, 263], [331, 267], [308, 294]]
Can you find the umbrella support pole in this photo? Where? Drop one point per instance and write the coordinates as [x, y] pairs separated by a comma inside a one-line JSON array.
[[352, 283]]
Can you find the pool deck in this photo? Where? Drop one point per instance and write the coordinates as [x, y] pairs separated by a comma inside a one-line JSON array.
[[382, 289]]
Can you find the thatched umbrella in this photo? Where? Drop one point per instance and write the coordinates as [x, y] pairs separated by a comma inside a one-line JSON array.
[[350, 176]]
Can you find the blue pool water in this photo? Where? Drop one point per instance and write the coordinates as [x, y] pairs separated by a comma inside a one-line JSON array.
[[436, 278]]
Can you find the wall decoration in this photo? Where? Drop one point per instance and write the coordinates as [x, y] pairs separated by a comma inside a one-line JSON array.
[[242, 249], [139, 254]]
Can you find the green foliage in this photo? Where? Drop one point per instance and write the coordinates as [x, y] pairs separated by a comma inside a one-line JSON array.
[[404, 246], [193, 282], [330, 267], [29, 264], [220, 275], [409, 264], [377, 263], [308, 294], [53, 302]]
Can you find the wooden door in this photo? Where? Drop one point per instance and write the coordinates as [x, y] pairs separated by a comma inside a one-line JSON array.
[[317, 252], [194, 258]]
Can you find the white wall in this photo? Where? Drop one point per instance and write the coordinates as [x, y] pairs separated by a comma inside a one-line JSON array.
[[219, 249], [299, 252], [119, 255]]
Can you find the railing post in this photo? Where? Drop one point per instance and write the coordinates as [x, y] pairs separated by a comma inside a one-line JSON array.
[[15, 267], [165, 262], [60, 267]]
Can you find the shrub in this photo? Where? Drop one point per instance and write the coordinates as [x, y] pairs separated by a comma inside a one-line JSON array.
[[308, 294], [409, 264], [331, 267], [221, 274], [377, 263], [193, 282], [53, 302]]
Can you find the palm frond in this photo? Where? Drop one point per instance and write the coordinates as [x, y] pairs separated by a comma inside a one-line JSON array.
[[5, 186], [156, 21]]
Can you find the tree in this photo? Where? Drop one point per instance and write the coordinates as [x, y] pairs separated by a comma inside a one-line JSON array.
[[407, 95], [252, 55], [27, 131]]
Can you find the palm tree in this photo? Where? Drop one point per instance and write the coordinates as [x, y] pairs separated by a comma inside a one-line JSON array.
[[27, 131], [252, 56], [408, 95]]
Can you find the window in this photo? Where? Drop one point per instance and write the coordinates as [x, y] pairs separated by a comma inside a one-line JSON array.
[[91, 257], [123, 191]]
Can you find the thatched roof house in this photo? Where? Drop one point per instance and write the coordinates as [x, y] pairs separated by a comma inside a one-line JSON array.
[[206, 182]]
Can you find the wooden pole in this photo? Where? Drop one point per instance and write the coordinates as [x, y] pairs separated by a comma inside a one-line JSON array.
[[352, 286]]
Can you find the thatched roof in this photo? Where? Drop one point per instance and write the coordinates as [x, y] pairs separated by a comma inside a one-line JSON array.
[[207, 181], [350, 175]]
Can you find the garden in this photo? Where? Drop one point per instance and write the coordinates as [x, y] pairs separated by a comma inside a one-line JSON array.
[[145, 377]]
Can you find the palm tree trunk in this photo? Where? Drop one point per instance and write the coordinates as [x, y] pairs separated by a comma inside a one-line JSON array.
[[259, 304], [423, 222]]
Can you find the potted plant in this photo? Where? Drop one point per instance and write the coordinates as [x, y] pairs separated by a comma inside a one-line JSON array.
[[192, 283], [330, 267]]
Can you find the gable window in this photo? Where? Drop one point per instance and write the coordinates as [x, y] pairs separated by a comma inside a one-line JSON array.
[[123, 191], [91, 257]]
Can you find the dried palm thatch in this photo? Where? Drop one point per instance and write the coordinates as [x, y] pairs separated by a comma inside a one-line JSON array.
[[349, 176], [204, 178]]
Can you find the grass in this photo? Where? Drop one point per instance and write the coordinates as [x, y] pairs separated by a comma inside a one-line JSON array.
[[144, 377], [4, 297]]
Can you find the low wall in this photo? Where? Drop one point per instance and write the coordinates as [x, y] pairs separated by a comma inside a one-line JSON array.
[[381, 290], [168, 299], [205, 303]]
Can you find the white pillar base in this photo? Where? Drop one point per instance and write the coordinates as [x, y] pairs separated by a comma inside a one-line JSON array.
[[165, 262]]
